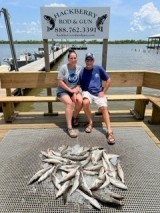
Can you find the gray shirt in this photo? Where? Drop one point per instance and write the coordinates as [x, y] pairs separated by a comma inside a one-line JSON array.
[[69, 76]]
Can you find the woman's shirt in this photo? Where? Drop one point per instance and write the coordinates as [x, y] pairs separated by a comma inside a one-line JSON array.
[[69, 76]]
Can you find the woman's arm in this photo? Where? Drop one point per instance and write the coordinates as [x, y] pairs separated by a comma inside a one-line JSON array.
[[62, 84]]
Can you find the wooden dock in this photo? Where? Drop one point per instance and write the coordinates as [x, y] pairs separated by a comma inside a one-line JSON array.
[[37, 120], [39, 64]]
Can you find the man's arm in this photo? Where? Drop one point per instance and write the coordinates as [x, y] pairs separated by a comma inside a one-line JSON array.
[[106, 85]]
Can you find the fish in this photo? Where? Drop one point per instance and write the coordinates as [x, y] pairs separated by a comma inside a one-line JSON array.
[[83, 185], [107, 199], [55, 181], [120, 172], [70, 175], [56, 153], [68, 168], [96, 184], [77, 158], [96, 147], [105, 165], [45, 175], [86, 161], [52, 160], [106, 182], [114, 194], [71, 171], [93, 201], [112, 171], [38, 175], [99, 181], [53, 156], [88, 172], [59, 158], [96, 156], [75, 182], [93, 168], [45, 154], [63, 188], [51, 22], [63, 148], [100, 21], [118, 183], [83, 152]]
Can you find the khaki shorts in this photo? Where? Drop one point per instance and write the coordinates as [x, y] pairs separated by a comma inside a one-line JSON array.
[[99, 101]]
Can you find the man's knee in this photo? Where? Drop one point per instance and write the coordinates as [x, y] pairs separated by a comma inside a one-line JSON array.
[[103, 109]]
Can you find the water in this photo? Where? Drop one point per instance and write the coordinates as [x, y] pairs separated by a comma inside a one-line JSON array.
[[120, 57]]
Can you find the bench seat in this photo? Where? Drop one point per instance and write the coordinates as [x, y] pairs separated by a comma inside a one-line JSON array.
[[138, 112], [155, 118]]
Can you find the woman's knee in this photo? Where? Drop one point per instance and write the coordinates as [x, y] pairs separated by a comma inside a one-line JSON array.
[[86, 101]]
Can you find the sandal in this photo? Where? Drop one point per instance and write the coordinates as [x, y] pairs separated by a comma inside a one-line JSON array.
[[75, 122], [72, 133], [110, 138], [88, 128]]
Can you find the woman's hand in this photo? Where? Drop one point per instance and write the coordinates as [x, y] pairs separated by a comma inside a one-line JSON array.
[[74, 97], [75, 90]]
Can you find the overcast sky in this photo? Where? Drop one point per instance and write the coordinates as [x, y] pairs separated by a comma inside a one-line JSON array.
[[129, 19]]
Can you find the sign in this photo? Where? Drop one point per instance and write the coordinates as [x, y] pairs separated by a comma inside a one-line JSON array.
[[77, 23]]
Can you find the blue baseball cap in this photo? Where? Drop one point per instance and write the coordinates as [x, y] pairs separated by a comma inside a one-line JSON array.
[[89, 55]]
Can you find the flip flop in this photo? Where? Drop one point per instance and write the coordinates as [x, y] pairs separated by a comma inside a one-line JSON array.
[[75, 122], [72, 133], [89, 128], [110, 138]]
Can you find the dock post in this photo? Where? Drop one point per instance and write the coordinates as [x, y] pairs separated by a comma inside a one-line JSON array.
[[104, 53], [47, 69]]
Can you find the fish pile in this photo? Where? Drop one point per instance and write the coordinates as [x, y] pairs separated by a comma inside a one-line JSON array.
[[90, 172]]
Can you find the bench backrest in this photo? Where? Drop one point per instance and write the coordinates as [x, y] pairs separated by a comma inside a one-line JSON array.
[[43, 79], [28, 80]]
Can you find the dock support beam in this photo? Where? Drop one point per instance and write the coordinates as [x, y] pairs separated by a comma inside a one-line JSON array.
[[47, 69]]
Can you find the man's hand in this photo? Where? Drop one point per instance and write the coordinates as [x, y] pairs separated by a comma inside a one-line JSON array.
[[101, 94]]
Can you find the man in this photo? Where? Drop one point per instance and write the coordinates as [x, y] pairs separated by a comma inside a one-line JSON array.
[[91, 78]]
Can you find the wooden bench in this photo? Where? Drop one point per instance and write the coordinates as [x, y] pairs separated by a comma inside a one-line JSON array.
[[41, 79], [155, 118]]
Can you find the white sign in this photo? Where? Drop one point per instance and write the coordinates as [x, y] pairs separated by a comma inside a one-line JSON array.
[[77, 23]]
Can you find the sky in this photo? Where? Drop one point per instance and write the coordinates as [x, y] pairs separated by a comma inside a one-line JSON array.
[[129, 19]]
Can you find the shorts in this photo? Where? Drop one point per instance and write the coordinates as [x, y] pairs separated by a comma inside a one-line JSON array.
[[60, 94], [99, 101]]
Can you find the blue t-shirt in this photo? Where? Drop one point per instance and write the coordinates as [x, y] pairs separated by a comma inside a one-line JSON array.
[[91, 80]]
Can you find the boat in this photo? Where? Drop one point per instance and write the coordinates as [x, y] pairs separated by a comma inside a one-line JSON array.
[[75, 47], [40, 52], [24, 59]]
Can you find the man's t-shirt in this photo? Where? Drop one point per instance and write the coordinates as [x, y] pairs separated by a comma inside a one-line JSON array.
[[91, 80]]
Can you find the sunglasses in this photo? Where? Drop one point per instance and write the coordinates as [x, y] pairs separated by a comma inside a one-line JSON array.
[[89, 59]]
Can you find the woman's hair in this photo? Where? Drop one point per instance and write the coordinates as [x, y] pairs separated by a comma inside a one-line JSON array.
[[71, 51]]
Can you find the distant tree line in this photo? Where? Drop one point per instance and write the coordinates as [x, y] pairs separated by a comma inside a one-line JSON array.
[[77, 42]]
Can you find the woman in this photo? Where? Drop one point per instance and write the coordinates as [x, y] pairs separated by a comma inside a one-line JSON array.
[[68, 91]]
